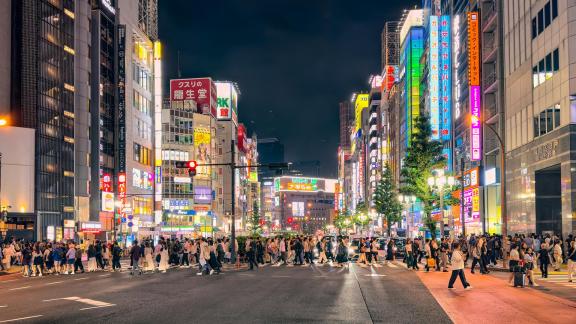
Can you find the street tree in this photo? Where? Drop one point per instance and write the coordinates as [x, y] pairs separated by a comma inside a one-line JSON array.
[[361, 217], [342, 220], [422, 157], [386, 199], [254, 221]]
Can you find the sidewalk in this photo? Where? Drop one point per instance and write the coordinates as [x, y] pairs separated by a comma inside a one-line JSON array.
[[492, 300]]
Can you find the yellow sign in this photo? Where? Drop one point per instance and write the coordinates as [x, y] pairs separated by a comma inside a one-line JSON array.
[[360, 104]]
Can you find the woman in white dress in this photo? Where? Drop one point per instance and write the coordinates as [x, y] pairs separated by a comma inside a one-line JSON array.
[[148, 258], [163, 259]]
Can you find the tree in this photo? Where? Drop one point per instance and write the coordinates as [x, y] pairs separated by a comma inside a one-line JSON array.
[[342, 220], [361, 217], [386, 199], [423, 156], [254, 221]]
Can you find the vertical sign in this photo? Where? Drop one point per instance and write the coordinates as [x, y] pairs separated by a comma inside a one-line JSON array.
[[121, 99], [474, 81], [445, 72], [433, 79]]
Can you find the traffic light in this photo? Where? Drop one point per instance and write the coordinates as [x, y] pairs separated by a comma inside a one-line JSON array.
[[191, 165]]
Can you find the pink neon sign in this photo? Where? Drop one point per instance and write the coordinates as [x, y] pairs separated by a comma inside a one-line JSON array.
[[475, 124]]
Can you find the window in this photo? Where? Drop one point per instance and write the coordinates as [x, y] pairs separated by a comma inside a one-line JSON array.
[[544, 17], [546, 68], [142, 154], [547, 121], [547, 16], [556, 60]]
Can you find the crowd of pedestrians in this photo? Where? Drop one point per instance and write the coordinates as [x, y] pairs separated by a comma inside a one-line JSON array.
[[209, 255]]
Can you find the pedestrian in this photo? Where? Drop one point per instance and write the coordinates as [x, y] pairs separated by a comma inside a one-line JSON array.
[[544, 259], [37, 261], [48, 258], [341, 253], [557, 255], [444, 249], [529, 266], [116, 254], [148, 259], [135, 254], [513, 263], [415, 254], [250, 250], [571, 256], [27, 260], [70, 258], [78, 262], [457, 262], [98, 255], [163, 257], [91, 257]]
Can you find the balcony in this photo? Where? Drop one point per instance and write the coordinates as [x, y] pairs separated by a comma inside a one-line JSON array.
[[490, 83], [489, 54], [489, 16]]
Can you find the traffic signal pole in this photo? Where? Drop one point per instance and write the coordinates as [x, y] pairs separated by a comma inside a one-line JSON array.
[[233, 204]]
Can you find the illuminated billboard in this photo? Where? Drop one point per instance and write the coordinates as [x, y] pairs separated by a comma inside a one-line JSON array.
[[227, 101], [360, 104], [440, 78], [412, 49], [303, 184], [200, 90], [202, 151], [390, 77], [474, 83]]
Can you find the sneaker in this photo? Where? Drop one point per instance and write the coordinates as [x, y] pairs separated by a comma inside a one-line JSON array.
[[72, 272], [468, 287], [40, 275], [211, 271], [198, 273], [450, 287]]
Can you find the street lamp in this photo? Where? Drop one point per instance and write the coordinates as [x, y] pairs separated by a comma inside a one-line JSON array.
[[441, 182], [408, 200], [3, 122]]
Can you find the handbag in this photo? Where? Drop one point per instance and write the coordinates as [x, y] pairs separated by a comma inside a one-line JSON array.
[[431, 262]]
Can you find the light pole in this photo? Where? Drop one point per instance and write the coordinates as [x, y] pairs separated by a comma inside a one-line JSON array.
[[504, 226], [440, 182], [408, 200]]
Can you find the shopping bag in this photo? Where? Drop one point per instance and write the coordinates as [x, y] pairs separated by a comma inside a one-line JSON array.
[[431, 262]]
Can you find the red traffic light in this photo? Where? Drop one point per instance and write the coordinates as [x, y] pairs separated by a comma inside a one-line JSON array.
[[187, 164], [290, 220], [192, 164]]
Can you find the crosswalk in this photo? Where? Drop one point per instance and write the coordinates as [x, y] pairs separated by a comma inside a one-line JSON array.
[[561, 279]]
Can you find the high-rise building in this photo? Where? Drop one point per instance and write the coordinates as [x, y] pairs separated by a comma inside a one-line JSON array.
[[346, 123], [270, 150], [42, 98], [539, 116], [390, 44]]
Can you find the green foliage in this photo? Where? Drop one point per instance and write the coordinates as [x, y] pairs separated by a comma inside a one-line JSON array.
[[254, 221], [361, 217], [423, 156], [342, 220], [386, 199]]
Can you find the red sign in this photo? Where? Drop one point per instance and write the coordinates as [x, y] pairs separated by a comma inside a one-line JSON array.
[[242, 142], [122, 185], [106, 183], [200, 90]]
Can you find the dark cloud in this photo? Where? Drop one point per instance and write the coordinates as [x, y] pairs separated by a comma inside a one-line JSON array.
[[294, 60]]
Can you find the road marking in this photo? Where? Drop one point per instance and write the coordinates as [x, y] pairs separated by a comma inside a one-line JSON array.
[[54, 283], [87, 308], [375, 275], [391, 265], [80, 279], [281, 276], [2, 306], [19, 288], [104, 275], [90, 302], [5, 281], [20, 319]]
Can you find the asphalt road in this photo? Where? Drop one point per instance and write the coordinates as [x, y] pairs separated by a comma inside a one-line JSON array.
[[267, 295]]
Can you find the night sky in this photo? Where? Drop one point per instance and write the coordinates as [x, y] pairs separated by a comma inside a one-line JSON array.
[[294, 61]]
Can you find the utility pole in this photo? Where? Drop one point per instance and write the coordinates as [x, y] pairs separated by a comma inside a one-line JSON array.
[[233, 204]]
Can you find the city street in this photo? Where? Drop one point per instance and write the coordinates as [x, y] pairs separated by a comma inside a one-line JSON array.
[[384, 294]]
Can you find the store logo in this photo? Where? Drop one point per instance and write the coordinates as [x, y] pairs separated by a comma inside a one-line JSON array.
[[223, 102]]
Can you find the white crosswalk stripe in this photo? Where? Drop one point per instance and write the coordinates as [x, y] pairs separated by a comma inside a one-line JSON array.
[[559, 279]]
